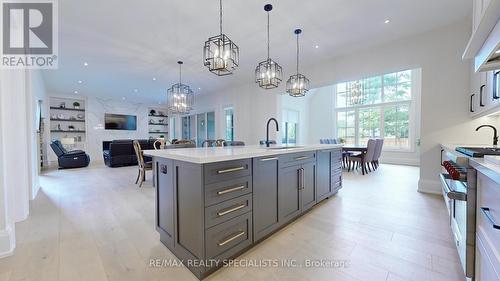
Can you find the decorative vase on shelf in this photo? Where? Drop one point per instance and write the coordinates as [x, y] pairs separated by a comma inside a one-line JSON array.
[[62, 105]]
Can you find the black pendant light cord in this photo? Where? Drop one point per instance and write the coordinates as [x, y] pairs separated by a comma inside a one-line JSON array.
[[220, 15], [268, 55], [297, 55], [180, 71]]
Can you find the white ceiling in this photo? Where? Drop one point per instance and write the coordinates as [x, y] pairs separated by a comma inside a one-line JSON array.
[[127, 43]]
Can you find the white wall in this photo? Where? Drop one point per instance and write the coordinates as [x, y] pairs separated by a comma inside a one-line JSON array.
[[35, 93], [14, 154]]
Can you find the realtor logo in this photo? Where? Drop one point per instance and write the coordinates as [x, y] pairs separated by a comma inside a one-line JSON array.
[[29, 34]]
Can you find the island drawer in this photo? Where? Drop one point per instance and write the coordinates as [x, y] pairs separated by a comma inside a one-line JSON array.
[[222, 191], [227, 210], [297, 158], [236, 232], [223, 171], [488, 217]]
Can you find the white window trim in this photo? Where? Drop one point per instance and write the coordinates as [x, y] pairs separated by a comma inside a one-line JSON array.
[[415, 96], [229, 106]]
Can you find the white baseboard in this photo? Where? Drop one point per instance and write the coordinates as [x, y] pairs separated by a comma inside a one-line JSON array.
[[7, 242], [429, 186], [400, 161]]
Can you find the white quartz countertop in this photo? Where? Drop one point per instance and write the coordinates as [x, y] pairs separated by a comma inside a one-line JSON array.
[[202, 155]]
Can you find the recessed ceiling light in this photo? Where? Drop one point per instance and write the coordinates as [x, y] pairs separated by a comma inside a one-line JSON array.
[[123, 98], [76, 92], [85, 64], [199, 88], [135, 90], [317, 46], [159, 102], [80, 81], [497, 52], [154, 78], [387, 21]]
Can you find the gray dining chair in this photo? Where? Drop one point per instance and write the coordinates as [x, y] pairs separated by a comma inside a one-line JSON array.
[[263, 142], [234, 143], [180, 145], [208, 143], [362, 160], [378, 153]]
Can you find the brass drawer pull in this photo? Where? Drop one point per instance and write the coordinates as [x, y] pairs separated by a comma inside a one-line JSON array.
[[231, 170], [233, 209], [236, 236], [222, 192], [301, 158], [269, 159]]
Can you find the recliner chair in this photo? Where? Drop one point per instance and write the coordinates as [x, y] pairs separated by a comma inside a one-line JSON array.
[[69, 159]]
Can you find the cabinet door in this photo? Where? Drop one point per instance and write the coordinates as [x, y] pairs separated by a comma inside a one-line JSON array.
[[289, 204], [265, 196], [323, 187], [165, 200], [309, 186]]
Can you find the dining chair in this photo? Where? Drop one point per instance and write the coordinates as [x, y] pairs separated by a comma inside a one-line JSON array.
[[180, 145], [208, 143], [378, 153], [183, 142], [220, 142], [263, 142], [364, 158], [143, 166], [234, 143]]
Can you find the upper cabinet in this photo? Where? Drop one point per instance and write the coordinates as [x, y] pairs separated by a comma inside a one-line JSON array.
[[484, 94], [485, 40]]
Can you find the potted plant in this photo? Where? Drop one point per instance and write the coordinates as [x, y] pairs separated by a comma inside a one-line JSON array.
[[152, 112], [76, 105]]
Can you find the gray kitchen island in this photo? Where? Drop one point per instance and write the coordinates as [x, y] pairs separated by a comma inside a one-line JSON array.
[[214, 203]]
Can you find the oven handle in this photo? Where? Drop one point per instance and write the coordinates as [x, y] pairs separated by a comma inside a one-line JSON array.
[[452, 194], [486, 213]]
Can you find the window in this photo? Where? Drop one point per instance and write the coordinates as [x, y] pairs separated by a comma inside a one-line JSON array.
[[229, 118], [290, 122], [172, 128], [379, 108]]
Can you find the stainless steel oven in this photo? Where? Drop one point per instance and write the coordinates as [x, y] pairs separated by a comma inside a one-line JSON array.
[[458, 180]]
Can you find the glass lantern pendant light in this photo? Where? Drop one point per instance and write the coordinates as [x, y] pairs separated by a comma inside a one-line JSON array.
[[357, 93], [297, 85], [180, 97], [268, 73], [220, 54]]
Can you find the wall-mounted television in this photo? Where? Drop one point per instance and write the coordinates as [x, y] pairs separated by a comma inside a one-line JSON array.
[[120, 122]]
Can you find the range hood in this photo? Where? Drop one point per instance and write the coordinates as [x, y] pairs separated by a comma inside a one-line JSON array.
[[488, 57]]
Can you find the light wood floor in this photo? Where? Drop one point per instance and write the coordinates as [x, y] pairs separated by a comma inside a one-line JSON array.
[[95, 224]]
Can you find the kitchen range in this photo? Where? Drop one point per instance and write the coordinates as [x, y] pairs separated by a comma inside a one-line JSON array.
[[471, 190]]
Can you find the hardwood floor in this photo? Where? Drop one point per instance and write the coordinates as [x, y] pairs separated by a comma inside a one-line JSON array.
[[95, 224]]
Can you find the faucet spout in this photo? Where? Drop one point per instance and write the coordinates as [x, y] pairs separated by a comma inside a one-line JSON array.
[[495, 133], [267, 129]]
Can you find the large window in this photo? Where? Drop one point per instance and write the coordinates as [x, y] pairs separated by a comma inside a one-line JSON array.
[[290, 122], [229, 118], [376, 107]]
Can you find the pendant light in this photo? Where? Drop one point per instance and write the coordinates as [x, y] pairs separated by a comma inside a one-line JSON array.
[[358, 95], [220, 55], [180, 97], [268, 73], [297, 85]]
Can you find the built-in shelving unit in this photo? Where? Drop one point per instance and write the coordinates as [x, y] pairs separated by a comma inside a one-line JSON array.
[[68, 121], [158, 122]]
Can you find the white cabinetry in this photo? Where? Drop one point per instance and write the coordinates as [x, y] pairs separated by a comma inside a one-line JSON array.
[[483, 99]]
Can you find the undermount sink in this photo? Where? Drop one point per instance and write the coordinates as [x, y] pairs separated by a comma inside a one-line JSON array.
[[284, 147]]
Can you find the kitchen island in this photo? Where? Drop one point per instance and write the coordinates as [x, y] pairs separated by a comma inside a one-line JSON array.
[[214, 203]]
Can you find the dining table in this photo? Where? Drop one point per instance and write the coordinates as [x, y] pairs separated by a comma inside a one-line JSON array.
[[347, 151]]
